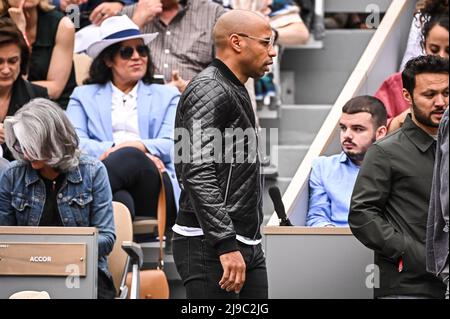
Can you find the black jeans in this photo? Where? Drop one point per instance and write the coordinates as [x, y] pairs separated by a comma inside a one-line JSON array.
[[200, 269], [135, 183], [105, 286]]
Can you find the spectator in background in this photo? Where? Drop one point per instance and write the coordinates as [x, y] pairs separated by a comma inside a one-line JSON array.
[[50, 36], [435, 41], [184, 45], [425, 9], [283, 16], [51, 184], [14, 90], [363, 121], [127, 121], [285, 20], [437, 224], [93, 11], [389, 206]]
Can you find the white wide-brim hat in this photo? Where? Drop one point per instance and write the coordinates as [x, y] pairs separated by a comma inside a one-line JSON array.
[[28, 294], [117, 29]]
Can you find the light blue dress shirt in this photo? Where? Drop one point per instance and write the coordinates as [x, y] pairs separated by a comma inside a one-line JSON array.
[[330, 189]]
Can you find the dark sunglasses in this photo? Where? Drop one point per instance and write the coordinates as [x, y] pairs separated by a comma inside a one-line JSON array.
[[127, 52]]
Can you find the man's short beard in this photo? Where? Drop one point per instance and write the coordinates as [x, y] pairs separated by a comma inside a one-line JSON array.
[[355, 157], [358, 157], [423, 118]]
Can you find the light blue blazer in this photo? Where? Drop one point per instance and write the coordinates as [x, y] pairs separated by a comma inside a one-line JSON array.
[[89, 110]]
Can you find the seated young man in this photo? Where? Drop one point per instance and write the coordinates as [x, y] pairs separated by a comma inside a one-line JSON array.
[[363, 121]]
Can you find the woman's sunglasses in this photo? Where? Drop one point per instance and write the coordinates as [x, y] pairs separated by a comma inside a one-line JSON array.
[[127, 52]]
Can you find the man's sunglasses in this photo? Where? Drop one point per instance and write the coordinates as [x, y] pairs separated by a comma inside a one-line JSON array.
[[268, 43], [127, 52]]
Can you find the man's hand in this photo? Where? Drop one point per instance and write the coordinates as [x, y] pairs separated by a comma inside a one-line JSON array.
[[105, 10], [106, 153], [18, 16], [2, 134], [178, 82], [158, 163], [146, 11], [234, 267]]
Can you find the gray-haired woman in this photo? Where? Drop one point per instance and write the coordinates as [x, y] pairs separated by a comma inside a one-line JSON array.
[[76, 187]]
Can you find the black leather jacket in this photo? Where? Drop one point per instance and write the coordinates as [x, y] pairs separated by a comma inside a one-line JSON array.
[[222, 193]]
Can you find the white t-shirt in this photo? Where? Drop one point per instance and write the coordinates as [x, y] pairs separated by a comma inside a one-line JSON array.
[[194, 231], [124, 115]]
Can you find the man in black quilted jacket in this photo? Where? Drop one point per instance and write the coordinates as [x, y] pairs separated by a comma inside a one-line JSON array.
[[217, 240]]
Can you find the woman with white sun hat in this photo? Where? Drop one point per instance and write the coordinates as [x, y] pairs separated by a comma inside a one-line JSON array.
[[127, 121]]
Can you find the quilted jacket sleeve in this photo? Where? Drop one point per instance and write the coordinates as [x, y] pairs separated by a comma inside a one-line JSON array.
[[204, 107]]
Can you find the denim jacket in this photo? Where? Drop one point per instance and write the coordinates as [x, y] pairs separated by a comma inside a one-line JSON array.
[[84, 200]]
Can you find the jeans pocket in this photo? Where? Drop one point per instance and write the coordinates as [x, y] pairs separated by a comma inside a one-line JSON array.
[[80, 208]]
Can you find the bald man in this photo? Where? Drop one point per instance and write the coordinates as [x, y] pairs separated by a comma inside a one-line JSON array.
[[217, 240]]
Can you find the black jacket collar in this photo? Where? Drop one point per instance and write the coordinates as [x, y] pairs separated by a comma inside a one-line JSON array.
[[225, 70]]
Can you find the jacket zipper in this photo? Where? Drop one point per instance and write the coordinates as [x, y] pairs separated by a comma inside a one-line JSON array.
[[228, 182]]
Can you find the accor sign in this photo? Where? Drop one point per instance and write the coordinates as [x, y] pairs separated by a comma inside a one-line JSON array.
[[41, 259]]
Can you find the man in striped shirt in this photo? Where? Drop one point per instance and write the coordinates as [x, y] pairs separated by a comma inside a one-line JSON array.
[[184, 45]]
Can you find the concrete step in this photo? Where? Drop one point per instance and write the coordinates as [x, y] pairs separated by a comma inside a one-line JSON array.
[[288, 158], [318, 76], [299, 124]]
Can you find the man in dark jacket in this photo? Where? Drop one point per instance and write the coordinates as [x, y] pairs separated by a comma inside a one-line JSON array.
[[389, 206], [217, 240]]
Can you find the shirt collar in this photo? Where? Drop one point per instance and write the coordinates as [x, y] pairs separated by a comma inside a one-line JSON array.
[[118, 93], [226, 71], [421, 139], [344, 159]]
